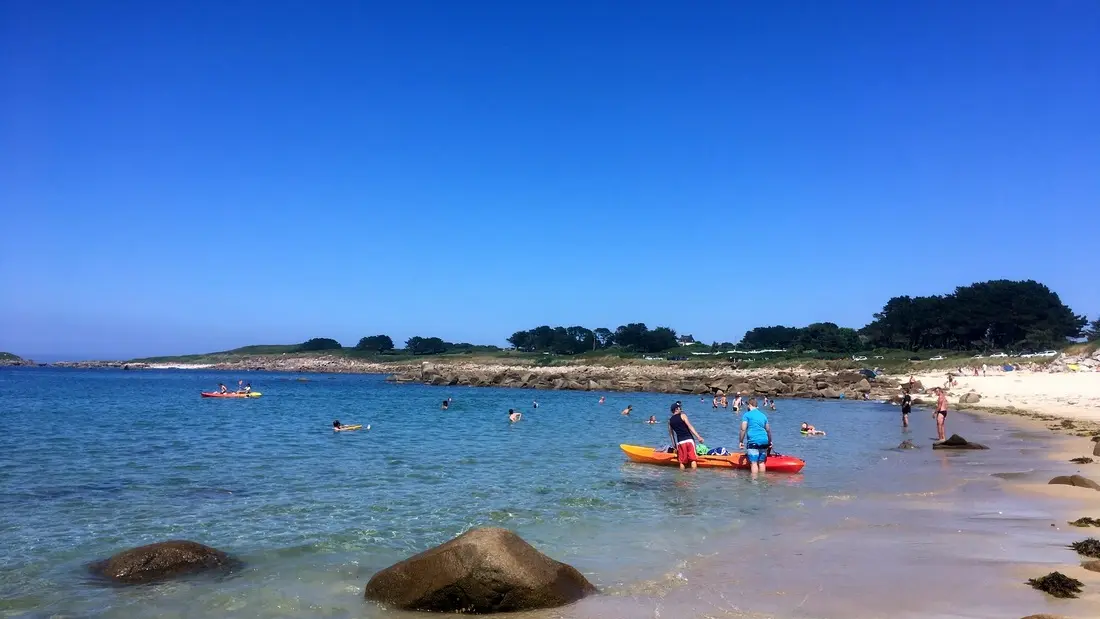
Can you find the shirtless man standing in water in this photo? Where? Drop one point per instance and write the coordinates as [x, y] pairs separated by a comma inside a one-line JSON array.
[[941, 414]]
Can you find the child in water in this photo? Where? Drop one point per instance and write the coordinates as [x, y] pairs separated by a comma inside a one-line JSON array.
[[810, 430], [652, 419]]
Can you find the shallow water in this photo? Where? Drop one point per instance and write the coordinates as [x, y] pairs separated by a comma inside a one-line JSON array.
[[93, 462]]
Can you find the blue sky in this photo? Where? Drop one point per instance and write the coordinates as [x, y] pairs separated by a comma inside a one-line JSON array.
[[191, 176]]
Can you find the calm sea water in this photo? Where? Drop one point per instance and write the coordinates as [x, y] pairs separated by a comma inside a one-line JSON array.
[[93, 462]]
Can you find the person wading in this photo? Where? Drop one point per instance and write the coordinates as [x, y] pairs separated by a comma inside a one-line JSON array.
[[683, 436], [941, 414]]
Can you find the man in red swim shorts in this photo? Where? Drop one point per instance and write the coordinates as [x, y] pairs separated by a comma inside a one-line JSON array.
[[683, 436]]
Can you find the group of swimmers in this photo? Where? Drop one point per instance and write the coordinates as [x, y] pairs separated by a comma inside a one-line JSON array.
[[243, 388], [720, 401]]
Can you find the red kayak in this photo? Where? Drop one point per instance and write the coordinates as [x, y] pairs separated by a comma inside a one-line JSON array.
[[776, 463], [214, 394]]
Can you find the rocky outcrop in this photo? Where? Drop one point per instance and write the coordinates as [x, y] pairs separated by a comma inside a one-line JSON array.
[[1096, 449], [970, 398], [161, 561], [957, 442], [1075, 480], [9, 360], [481, 571], [651, 378], [907, 444]]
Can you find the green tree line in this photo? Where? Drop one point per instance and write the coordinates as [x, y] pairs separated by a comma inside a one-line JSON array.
[[998, 314], [633, 337], [990, 315]]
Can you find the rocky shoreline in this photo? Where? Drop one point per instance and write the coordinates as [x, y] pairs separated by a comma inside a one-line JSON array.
[[789, 383]]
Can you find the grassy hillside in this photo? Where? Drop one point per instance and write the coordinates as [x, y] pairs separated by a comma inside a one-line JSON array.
[[7, 356], [892, 361]]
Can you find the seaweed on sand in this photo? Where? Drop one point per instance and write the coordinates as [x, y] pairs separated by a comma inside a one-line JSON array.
[[1057, 584], [1086, 522], [1082, 460], [1087, 547]]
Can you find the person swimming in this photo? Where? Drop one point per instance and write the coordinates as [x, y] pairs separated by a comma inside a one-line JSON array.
[[338, 427], [652, 419], [534, 404], [446, 403], [810, 430], [603, 399], [514, 416], [626, 411]]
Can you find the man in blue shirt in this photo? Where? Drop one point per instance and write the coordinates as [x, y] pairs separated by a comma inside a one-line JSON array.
[[756, 437]]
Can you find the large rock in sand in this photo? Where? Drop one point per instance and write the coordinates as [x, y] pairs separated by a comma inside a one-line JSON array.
[[957, 442], [970, 398], [161, 561], [1096, 450], [482, 571], [1075, 480]]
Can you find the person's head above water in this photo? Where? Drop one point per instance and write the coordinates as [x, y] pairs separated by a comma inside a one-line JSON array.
[[805, 425], [336, 424]]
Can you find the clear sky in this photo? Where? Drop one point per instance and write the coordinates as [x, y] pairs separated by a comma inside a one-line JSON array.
[[184, 177]]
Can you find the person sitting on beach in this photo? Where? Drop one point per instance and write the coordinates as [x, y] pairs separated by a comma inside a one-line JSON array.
[[626, 411], [810, 430], [683, 435], [445, 405], [514, 416], [756, 438], [222, 388], [652, 419]]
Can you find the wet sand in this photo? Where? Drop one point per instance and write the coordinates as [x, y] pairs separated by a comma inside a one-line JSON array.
[[963, 547]]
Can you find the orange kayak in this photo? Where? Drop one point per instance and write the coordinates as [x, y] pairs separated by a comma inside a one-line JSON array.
[[776, 463]]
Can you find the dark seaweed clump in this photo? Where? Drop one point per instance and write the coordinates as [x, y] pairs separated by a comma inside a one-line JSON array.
[[1086, 522], [1081, 460], [1057, 584], [1088, 547]]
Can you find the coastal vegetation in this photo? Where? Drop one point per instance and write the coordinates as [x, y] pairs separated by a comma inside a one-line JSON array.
[[1010, 316]]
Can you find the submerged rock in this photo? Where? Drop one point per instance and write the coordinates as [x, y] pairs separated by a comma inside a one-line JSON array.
[[957, 442], [1074, 480], [1057, 584], [907, 444], [481, 571], [160, 561]]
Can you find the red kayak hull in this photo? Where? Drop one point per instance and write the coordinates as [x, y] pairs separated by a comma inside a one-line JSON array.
[[775, 463]]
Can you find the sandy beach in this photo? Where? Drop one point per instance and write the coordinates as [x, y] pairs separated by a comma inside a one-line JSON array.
[[1066, 395]]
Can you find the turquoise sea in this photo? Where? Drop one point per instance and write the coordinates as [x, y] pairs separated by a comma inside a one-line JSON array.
[[93, 462]]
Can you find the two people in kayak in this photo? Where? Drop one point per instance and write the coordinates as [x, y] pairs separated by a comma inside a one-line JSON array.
[[242, 388]]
